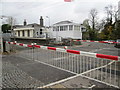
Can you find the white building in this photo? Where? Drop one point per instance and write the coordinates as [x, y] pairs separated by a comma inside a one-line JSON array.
[[66, 29], [119, 10], [31, 30]]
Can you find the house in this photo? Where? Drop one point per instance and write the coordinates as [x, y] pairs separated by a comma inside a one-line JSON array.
[[66, 29], [30, 30]]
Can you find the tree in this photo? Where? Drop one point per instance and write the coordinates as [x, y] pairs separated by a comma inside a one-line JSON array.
[[93, 19], [117, 29], [111, 26], [109, 11], [11, 21], [6, 28], [85, 34], [86, 24], [100, 25], [108, 28]]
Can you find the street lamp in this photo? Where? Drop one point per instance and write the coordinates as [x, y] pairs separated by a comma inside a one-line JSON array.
[[1, 39], [11, 19], [49, 20]]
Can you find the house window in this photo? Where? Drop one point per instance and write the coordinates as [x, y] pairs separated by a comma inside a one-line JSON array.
[[76, 27], [23, 33], [40, 31], [54, 28], [37, 33], [83, 29], [61, 28], [19, 33], [70, 27], [28, 32], [65, 28], [57, 28]]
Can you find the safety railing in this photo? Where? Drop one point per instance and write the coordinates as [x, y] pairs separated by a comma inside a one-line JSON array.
[[99, 67]]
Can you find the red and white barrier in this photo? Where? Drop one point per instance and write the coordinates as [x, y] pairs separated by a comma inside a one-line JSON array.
[[98, 67], [96, 55], [95, 41]]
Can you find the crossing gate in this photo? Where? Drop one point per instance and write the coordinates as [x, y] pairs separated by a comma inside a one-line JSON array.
[[99, 67], [110, 42]]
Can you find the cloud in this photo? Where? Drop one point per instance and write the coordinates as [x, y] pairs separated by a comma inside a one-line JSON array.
[[57, 10]]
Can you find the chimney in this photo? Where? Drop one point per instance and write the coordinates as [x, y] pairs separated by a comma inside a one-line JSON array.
[[41, 21], [25, 23]]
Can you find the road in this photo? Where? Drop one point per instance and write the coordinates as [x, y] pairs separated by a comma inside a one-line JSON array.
[[30, 68], [101, 48]]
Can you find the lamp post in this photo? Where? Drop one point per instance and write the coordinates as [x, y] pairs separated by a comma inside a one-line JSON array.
[[49, 20], [11, 19], [1, 39]]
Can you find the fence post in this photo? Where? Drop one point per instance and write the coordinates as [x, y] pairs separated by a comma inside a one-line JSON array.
[[4, 46], [15, 46], [32, 50]]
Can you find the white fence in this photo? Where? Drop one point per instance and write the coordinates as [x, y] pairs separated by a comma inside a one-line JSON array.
[[98, 67]]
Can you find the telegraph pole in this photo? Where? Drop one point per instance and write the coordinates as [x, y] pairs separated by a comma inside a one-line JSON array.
[[1, 39], [49, 20]]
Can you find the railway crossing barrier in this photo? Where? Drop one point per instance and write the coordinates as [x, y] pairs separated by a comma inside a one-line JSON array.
[[99, 67]]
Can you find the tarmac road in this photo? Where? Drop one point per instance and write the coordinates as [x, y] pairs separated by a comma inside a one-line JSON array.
[[22, 73], [101, 48]]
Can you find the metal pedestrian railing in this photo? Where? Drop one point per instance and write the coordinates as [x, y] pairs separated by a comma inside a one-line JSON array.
[[99, 67]]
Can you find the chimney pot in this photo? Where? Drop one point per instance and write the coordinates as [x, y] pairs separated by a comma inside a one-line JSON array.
[[25, 23], [41, 21]]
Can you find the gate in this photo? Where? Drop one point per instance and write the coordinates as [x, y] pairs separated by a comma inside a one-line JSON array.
[[99, 67]]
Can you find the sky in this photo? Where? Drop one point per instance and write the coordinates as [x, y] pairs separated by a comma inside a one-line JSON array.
[[56, 10]]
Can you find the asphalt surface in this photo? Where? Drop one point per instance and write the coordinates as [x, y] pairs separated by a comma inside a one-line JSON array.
[[22, 73], [102, 48]]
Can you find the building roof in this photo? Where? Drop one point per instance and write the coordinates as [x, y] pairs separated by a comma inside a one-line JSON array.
[[63, 22], [17, 26], [28, 25], [25, 28], [35, 24]]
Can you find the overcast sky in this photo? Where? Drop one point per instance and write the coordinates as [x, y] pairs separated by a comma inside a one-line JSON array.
[[56, 10]]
